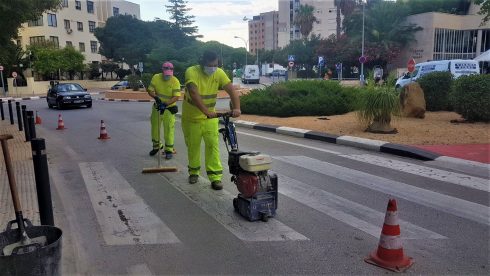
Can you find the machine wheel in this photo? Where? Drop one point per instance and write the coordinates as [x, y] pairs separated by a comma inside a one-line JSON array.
[[264, 217], [235, 204]]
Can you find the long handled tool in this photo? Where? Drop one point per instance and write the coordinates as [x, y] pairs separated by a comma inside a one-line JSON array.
[[25, 244], [159, 169]]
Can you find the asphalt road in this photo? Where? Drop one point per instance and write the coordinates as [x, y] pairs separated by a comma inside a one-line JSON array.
[[332, 205]]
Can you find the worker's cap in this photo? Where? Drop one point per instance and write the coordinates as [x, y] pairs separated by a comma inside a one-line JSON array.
[[168, 69]]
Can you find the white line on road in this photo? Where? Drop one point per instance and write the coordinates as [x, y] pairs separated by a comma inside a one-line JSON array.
[[346, 211], [123, 216], [219, 205], [139, 270], [451, 177], [441, 202]]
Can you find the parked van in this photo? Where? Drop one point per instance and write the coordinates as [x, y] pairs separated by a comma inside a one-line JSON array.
[[251, 74], [457, 67]]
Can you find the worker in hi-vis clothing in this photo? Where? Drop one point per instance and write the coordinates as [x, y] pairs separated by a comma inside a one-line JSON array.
[[199, 119], [165, 89]]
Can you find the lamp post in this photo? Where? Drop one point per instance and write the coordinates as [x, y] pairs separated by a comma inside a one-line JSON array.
[[246, 45], [362, 50]]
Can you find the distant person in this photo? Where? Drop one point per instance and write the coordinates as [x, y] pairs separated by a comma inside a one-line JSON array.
[[165, 89], [199, 119]]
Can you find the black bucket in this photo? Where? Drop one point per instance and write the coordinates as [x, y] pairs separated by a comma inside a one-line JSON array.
[[42, 261]]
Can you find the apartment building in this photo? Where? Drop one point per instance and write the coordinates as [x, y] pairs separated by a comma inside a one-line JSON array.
[[73, 24], [325, 12], [263, 32]]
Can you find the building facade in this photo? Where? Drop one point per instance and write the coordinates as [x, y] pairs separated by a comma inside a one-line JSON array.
[[263, 32], [447, 36], [324, 11], [73, 24]]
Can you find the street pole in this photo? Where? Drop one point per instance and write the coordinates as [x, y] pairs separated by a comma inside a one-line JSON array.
[[246, 51], [362, 50]]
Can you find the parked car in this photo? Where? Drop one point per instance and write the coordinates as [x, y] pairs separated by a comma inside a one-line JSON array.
[[62, 95], [251, 74], [124, 84], [278, 73]]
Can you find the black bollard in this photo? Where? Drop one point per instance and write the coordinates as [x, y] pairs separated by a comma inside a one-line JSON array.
[[30, 123], [43, 188], [26, 125], [19, 117], [10, 112], [1, 109]]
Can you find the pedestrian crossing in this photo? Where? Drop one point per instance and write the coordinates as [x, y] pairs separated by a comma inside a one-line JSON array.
[[101, 178]]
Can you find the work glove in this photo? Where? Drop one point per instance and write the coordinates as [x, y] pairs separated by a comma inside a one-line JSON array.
[[158, 101]]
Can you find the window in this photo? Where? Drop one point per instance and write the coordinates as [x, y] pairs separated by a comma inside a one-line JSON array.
[[64, 3], [37, 22], [81, 46], [80, 26], [93, 46], [91, 26], [55, 41], [67, 24], [33, 40], [52, 20], [69, 44], [78, 5], [90, 7], [115, 11], [19, 41]]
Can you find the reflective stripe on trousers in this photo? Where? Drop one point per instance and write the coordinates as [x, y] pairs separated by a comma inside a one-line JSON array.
[[194, 133]]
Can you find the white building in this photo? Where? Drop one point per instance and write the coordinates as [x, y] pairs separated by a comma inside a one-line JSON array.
[[325, 12], [73, 24]]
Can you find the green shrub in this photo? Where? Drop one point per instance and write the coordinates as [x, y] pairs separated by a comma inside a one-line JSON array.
[[378, 104], [146, 79], [300, 98], [437, 86], [470, 97], [133, 81]]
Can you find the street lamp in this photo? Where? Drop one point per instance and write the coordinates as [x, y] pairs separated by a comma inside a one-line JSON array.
[[362, 50], [246, 45]]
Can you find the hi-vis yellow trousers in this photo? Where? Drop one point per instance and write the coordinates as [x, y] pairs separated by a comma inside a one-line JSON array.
[[168, 121], [207, 130]]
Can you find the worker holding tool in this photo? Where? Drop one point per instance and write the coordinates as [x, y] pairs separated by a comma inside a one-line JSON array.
[[199, 119], [165, 89]]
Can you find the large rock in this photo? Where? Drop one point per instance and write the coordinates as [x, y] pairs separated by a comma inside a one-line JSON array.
[[412, 101]]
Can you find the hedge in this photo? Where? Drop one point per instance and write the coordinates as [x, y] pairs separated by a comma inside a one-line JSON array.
[[470, 97], [437, 86]]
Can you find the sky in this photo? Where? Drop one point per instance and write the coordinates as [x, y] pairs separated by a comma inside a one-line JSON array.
[[219, 20]]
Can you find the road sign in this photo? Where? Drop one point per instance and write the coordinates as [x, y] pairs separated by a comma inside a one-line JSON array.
[[1, 68], [411, 65], [14, 74], [362, 59], [291, 64], [338, 66], [321, 61], [290, 57]]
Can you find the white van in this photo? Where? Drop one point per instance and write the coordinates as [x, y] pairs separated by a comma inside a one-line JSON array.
[[251, 74], [457, 67]]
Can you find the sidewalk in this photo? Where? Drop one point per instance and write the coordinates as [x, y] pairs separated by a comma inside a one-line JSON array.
[[21, 155]]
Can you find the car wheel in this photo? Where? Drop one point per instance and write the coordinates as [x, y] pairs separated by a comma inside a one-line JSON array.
[[59, 105], [89, 105]]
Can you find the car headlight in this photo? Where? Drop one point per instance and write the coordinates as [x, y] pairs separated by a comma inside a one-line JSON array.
[[87, 96], [66, 97]]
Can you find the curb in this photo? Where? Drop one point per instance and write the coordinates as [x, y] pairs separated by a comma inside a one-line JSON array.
[[23, 99]]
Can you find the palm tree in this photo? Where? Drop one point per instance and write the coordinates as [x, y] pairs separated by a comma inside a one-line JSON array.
[[304, 19]]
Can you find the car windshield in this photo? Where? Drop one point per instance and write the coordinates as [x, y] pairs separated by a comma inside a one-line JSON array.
[[70, 87]]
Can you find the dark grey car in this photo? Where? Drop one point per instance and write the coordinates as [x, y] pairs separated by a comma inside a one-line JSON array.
[[62, 95]]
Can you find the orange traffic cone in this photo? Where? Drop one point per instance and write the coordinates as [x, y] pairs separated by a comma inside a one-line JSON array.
[[61, 125], [389, 254], [103, 131], [38, 119]]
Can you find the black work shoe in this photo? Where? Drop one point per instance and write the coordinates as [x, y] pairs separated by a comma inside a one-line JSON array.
[[193, 178], [168, 155], [154, 151], [217, 185]]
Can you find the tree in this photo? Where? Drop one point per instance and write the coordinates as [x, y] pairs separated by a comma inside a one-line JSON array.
[[304, 19], [50, 60], [446, 6], [178, 13], [71, 61], [484, 9]]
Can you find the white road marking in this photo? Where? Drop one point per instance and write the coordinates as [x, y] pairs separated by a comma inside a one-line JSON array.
[[451, 205], [346, 211], [139, 270], [123, 216], [446, 176], [219, 205]]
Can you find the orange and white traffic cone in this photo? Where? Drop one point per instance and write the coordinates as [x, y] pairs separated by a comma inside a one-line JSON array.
[[389, 254], [103, 131], [61, 124], [38, 119]]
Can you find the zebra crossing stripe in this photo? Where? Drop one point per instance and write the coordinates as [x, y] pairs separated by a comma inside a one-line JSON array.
[[451, 205], [123, 216], [346, 211], [219, 205], [437, 174]]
